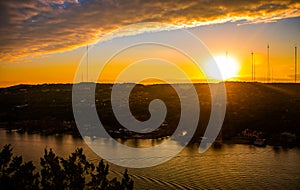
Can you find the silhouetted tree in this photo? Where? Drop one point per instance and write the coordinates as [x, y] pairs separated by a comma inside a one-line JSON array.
[[57, 173], [75, 168], [5, 157], [52, 173], [15, 174], [127, 182], [99, 180]]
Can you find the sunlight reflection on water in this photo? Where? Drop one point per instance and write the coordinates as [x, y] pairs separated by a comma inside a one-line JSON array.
[[228, 167]]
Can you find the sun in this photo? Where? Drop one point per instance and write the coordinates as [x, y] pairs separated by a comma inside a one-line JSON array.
[[227, 66]]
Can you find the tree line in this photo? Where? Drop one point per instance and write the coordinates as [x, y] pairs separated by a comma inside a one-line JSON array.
[[75, 172]]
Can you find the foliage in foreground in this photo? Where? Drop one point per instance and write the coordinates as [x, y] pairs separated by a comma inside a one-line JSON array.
[[57, 173]]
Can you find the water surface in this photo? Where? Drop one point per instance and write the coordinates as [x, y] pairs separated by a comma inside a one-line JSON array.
[[230, 167]]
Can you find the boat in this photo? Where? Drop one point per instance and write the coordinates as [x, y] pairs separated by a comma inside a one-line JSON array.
[[260, 142]]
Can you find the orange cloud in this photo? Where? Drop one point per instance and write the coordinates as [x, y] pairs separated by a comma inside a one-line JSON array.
[[38, 27]]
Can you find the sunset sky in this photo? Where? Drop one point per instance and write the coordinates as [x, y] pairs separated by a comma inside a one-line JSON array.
[[43, 41]]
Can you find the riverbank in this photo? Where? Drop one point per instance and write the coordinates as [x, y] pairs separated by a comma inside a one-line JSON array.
[[231, 166]]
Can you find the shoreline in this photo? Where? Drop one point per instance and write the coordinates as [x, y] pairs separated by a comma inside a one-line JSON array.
[[216, 144]]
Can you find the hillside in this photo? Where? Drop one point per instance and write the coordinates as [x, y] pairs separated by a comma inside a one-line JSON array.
[[47, 109]]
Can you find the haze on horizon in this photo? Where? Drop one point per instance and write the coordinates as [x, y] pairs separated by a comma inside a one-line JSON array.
[[43, 41]]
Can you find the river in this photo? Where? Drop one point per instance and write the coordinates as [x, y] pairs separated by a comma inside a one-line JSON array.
[[229, 167]]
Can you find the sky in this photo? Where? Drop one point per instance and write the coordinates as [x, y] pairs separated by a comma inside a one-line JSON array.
[[44, 41]]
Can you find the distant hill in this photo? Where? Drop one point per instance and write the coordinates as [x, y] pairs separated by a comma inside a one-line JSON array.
[[47, 109]]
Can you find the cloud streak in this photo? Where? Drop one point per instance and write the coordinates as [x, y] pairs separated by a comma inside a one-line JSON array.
[[38, 27]]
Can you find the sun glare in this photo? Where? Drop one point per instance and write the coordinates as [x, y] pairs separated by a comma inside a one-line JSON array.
[[228, 68]]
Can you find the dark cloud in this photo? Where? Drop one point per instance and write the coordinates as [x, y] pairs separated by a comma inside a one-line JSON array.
[[35, 27]]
